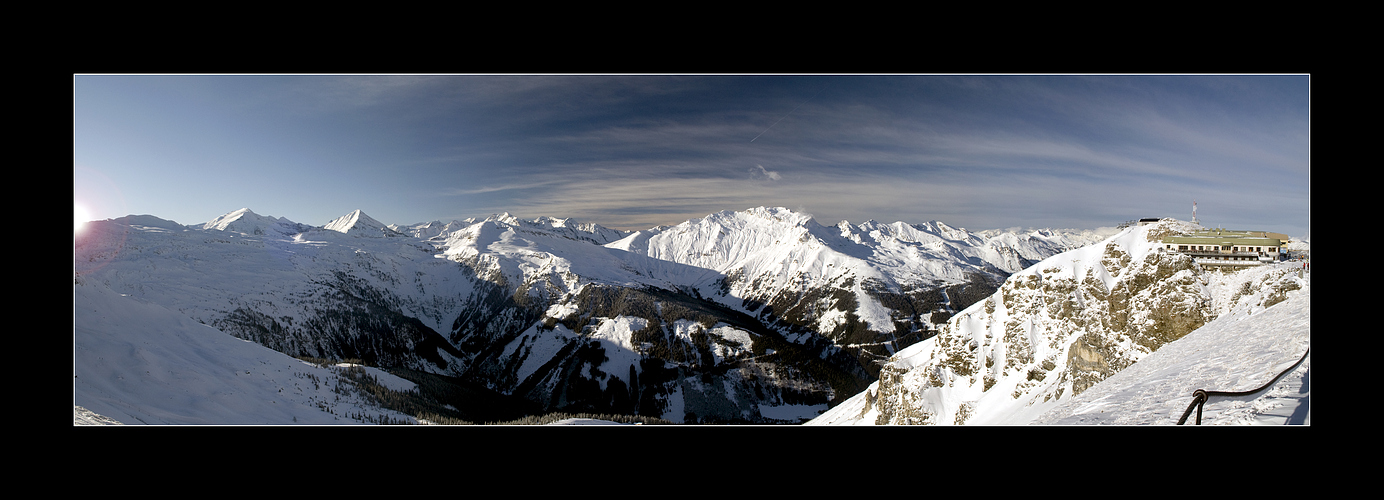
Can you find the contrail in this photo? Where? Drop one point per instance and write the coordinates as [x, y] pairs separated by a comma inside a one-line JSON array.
[[790, 112]]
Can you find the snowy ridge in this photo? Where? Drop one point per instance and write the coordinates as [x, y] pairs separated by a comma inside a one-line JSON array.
[[217, 274], [569, 228], [429, 230], [551, 259], [247, 222], [587, 231], [760, 241], [149, 221]]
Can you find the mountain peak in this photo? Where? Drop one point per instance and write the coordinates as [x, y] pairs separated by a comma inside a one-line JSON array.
[[780, 213], [247, 221], [357, 223], [225, 219], [777, 215], [503, 217]]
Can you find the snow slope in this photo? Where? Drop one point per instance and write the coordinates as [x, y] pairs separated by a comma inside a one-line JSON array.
[[279, 270], [1235, 353], [140, 363]]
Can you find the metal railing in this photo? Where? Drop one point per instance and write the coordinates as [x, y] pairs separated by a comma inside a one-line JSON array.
[[1200, 396]]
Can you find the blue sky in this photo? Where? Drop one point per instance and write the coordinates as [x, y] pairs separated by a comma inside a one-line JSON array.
[[635, 151]]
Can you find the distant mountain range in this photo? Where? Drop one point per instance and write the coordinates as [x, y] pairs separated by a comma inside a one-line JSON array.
[[754, 316]]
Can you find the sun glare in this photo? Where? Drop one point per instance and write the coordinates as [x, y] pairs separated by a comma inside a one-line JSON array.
[[80, 214]]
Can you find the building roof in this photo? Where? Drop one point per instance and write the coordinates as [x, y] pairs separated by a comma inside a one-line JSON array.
[[1226, 238]]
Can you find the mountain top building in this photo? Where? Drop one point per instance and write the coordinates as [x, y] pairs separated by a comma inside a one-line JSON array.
[[1224, 247]]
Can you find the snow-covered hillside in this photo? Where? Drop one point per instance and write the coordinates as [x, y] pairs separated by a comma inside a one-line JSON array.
[[294, 288], [1058, 328], [140, 363]]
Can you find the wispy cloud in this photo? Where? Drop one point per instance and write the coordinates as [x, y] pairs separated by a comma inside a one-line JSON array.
[[498, 188], [759, 172]]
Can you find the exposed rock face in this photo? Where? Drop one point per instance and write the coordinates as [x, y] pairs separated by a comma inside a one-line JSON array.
[[1091, 359], [655, 352]]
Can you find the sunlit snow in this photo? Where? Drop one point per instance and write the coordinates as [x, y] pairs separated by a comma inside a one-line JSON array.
[[143, 291]]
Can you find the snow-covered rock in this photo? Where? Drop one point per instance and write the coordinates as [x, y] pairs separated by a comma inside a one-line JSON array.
[[1057, 329], [1237, 352]]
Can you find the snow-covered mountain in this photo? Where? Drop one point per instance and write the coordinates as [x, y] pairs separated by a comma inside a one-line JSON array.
[[357, 223], [754, 316], [871, 288], [248, 222], [1061, 327], [776, 241]]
